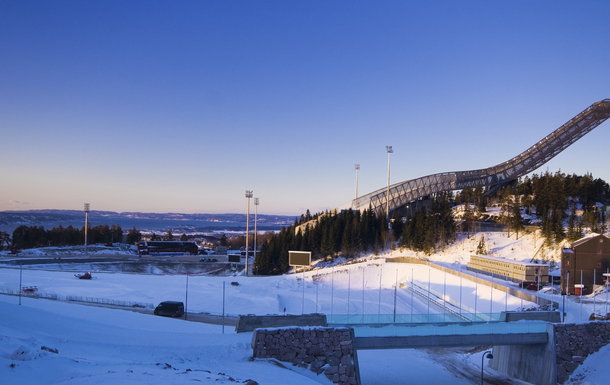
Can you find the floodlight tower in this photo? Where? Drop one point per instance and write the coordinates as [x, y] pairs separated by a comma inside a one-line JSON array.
[[387, 194], [255, 221], [357, 167], [86, 224], [248, 196]]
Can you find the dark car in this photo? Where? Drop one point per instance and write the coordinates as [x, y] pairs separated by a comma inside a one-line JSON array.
[[170, 309]]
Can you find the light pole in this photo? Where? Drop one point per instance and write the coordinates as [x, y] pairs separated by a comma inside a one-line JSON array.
[[86, 224], [357, 168], [255, 220], [387, 194], [248, 195], [487, 354]]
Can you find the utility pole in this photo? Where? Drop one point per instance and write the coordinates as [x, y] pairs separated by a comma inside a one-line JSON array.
[[357, 168], [387, 194], [255, 220], [86, 224], [248, 196]]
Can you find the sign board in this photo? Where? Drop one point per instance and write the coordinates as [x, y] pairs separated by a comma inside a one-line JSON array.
[[299, 258], [234, 258]]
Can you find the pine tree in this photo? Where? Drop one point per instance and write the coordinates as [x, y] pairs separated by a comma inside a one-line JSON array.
[[516, 218], [133, 236], [223, 240], [481, 248]]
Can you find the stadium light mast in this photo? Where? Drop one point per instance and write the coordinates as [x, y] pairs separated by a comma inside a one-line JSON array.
[[255, 221], [387, 194], [357, 167], [248, 196], [87, 209]]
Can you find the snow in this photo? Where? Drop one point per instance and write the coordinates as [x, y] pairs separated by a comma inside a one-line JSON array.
[[107, 346]]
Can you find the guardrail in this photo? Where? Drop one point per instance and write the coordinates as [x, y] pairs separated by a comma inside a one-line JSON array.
[[385, 319], [451, 329]]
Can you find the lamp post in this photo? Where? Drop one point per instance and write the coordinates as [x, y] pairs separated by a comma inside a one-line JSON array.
[[248, 196], [387, 194], [255, 220], [487, 354], [357, 167], [86, 224]]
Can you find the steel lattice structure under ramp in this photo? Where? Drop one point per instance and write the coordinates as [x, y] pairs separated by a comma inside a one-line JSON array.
[[403, 193]]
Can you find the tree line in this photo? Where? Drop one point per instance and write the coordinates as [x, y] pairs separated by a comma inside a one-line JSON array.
[[346, 233], [25, 237], [552, 198], [351, 233]]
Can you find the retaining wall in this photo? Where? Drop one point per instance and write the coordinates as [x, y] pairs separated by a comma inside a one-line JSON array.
[[574, 342], [328, 351]]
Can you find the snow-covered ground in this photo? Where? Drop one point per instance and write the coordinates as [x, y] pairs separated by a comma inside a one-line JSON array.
[[104, 346]]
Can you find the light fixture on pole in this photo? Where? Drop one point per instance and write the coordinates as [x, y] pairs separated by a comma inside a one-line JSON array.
[[487, 354], [357, 168], [248, 195], [86, 224], [387, 194], [255, 220]]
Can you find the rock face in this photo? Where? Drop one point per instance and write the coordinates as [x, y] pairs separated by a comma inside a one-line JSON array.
[[574, 342], [323, 350]]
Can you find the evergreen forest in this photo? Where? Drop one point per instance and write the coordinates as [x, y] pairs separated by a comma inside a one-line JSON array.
[[562, 206], [26, 237]]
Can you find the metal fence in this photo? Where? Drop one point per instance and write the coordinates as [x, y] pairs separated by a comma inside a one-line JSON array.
[[73, 298], [112, 302]]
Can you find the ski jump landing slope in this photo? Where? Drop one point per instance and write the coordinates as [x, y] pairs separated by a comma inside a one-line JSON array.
[[497, 176]]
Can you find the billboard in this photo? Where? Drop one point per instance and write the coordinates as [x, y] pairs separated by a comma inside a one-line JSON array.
[[299, 258], [234, 258]]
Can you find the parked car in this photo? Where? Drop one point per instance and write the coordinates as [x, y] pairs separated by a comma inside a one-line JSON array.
[[532, 287], [525, 284], [170, 309]]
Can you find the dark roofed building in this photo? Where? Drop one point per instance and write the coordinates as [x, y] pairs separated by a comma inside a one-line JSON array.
[[588, 257]]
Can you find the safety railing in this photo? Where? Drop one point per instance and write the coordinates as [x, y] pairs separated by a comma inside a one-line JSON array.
[[450, 329]]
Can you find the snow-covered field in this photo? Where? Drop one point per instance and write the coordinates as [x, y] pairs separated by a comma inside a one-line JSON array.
[[104, 346]]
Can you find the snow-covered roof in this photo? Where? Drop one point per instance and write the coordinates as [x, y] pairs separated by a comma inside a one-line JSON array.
[[513, 261], [587, 238]]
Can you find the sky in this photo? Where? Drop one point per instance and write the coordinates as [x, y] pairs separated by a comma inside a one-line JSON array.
[[158, 106]]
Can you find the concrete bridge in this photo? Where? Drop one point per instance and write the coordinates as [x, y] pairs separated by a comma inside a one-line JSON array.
[[450, 335]]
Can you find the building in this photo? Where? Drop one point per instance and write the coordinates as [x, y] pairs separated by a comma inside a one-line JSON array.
[[509, 270], [584, 263]]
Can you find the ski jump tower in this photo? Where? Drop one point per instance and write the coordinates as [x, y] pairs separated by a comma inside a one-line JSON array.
[[400, 194]]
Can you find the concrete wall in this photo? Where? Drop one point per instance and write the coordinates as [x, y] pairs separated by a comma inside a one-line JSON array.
[[532, 363], [247, 323], [547, 316], [328, 351], [554, 362]]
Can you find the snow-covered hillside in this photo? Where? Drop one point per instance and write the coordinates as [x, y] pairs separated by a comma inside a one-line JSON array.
[[104, 346]]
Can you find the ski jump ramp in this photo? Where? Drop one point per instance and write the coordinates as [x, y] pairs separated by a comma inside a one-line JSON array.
[[400, 194]]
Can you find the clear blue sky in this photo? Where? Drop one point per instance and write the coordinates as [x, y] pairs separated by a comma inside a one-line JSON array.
[[181, 106]]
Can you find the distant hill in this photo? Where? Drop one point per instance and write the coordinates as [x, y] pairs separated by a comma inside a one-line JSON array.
[[10, 220]]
